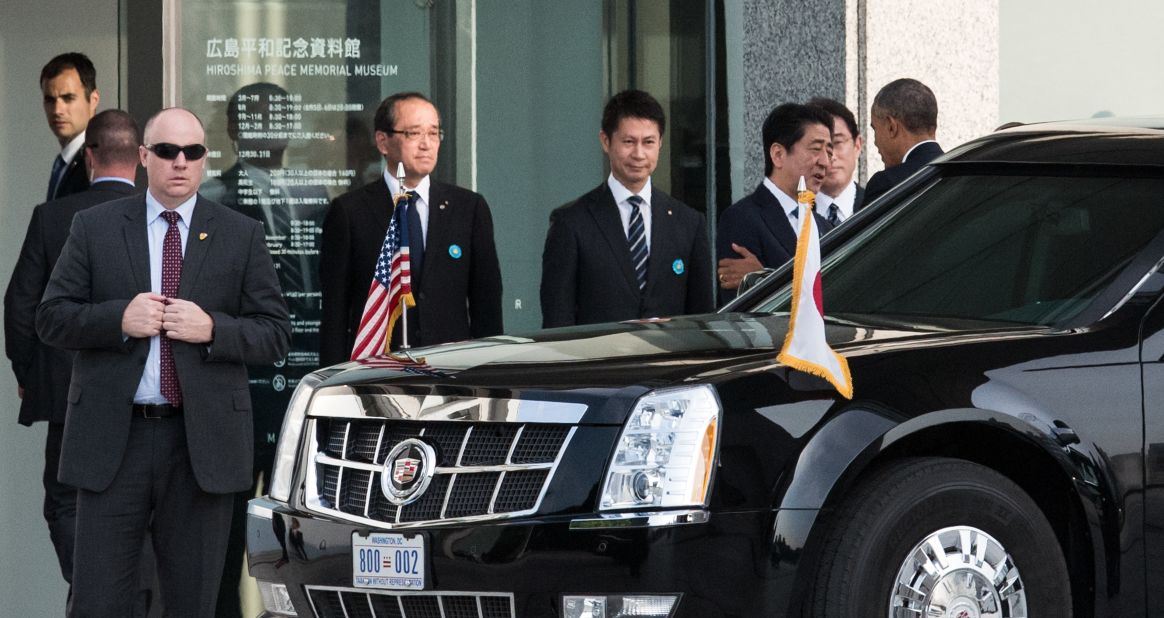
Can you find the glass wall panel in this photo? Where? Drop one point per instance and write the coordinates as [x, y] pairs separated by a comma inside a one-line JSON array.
[[520, 86]]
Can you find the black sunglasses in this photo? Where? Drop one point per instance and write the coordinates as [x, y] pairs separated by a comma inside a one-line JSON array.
[[170, 152]]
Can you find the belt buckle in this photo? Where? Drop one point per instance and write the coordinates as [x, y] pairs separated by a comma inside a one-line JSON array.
[[145, 411]]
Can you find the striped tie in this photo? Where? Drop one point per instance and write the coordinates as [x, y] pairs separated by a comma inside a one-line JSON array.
[[636, 237], [835, 215]]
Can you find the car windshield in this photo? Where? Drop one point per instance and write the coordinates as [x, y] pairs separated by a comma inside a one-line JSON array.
[[1000, 249]]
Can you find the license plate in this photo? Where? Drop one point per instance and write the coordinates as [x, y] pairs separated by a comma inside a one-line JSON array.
[[389, 561]]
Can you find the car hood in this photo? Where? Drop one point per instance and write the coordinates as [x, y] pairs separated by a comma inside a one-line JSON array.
[[649, 353]]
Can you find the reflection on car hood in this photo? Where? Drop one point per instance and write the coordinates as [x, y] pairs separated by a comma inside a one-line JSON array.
[[652, 353]]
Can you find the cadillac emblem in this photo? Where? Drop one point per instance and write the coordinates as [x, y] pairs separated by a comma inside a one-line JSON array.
[[408, 470]]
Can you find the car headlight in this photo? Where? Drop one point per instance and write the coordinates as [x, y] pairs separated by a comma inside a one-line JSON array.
[[288, 448], [666, 452]]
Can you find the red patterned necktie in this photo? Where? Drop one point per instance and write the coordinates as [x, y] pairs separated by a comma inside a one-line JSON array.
[[171, 276]]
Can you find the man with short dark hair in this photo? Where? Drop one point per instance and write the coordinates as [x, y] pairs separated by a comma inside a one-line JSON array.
[[625, 250], [165, 297], [761, 229], [840, 196], [455, 275], [42, 372], [69, 86], [905, 123]]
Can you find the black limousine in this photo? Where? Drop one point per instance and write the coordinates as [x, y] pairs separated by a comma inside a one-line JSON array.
[[1001, 312]]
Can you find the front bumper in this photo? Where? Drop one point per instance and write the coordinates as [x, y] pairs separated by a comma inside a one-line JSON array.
[[729, 565]]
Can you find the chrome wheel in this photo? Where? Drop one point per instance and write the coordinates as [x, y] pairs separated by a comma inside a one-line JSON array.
[[958, 572]]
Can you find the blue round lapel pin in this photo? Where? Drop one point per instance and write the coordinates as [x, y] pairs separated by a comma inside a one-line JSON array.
[[678, 267], [455, 252]]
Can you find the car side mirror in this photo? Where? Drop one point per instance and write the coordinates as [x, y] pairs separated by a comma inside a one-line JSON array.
[[751, 279]]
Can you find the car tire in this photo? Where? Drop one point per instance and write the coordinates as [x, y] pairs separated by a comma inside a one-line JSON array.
[[928, 537]]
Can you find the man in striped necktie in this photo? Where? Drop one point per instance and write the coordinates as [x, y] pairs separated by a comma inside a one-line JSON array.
[[453, 273], [625, 250], [840, 196]]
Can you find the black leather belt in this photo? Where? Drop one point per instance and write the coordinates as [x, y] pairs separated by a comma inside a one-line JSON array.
[[149, 410]]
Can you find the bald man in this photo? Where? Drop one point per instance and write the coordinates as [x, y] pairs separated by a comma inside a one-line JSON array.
[[165, 297]]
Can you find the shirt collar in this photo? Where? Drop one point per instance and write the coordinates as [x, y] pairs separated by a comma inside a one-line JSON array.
[[72, 148], [154, 208], [421, 188], [787, 203], [112, 179], [844, 201], [621, 193], [914, 147]]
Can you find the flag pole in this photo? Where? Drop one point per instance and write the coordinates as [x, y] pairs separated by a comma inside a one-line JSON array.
[[403, 195]]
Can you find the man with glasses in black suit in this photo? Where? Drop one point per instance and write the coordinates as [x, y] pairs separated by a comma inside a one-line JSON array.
[[456, 279]]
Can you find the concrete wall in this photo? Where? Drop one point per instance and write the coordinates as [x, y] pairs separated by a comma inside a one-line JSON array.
[[30, 34], [793, 50], [1064, 59], [949, 45]]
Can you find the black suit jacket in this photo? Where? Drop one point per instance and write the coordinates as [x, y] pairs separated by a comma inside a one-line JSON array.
[[888, 178], [76, 177], [587, 274], [459, 296], [758, 223], [226, 271], [41, 370]]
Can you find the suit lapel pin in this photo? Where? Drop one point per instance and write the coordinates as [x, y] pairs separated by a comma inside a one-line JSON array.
[[443, 204], [668, 212], [202, 236], [678, 267], [455, 252]]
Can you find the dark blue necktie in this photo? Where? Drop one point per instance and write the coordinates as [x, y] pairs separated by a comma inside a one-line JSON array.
[[55, 177], [636, 238], [834, 215], [415, 239]]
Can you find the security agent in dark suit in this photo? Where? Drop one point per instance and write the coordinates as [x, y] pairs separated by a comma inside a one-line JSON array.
[[69, 85], [158, 432], [840, 196], [42, 372], [625, 250], [760, 230], [905, 123], [456, 279]]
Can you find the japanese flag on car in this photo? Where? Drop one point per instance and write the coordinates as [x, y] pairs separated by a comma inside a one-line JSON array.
[[805, 347]]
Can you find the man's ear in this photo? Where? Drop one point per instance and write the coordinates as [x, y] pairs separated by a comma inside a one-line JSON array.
[[893, 126], [89, 161], [382, 143], [94, 100], [604, 139], [776, 154]]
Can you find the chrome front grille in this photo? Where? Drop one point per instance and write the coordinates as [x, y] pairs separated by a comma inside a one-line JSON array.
[[332, 602], [484, 470]]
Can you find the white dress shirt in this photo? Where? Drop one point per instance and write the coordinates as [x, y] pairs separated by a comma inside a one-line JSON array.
[[844, 202], [787, 203], [72, 148]]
